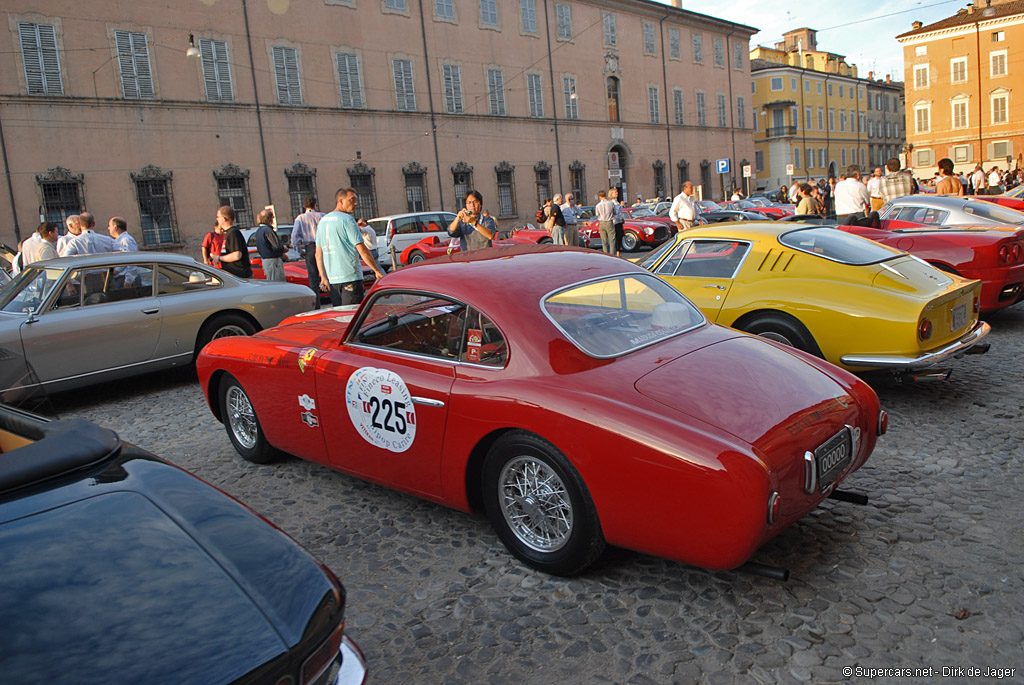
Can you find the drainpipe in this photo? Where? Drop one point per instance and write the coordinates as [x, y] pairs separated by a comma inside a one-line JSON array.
[[10, 188], [668, 124], [256, 97], [554, 95], [430, 103], [732, 113]]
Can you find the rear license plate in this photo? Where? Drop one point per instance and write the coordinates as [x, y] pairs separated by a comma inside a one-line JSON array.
[[959, 316], [833, 457]]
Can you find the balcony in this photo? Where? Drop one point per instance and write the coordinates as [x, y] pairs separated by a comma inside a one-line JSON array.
[[780, 132]]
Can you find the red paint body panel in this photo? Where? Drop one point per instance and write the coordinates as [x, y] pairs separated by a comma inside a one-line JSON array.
[[435, 247], [971, 251], [679, 443]]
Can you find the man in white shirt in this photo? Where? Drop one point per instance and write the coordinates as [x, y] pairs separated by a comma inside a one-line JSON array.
[[995, 181], [74, 225], [852, 198], [604, 211], [88, 241], [125, 276], [569, 209], [41, 244], [979, 180], [874, 186], [684, 208]]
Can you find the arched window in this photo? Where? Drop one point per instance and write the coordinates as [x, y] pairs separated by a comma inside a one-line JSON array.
[[613, 99]]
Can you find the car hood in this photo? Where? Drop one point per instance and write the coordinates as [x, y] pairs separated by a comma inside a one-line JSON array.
[[752, 389]]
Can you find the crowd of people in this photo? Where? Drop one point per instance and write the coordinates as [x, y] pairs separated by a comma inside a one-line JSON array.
[[81, 238]]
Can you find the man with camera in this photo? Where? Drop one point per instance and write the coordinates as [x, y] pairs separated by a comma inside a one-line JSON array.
[[473, 230]]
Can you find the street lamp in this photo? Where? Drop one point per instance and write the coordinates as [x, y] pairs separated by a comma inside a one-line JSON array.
[[192, 51]]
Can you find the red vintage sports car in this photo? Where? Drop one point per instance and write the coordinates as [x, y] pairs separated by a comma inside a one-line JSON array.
[[596, 406], [431, 247], [636, 231], [991, 253]]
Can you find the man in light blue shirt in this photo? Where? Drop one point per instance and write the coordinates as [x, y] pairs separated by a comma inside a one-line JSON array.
[[339, 246]]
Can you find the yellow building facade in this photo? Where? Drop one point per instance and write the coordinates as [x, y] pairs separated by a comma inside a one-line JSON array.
[[813, 115], [961, 73]]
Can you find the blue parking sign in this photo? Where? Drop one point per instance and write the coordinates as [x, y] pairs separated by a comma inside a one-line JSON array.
[[722, 165]]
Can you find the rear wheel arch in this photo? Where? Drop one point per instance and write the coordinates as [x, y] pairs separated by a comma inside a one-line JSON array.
[[208, 330], [767, 321]]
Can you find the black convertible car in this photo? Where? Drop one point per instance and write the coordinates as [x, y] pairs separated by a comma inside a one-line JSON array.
[[117, 567]]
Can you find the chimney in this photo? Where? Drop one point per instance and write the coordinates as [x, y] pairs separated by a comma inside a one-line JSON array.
[[871, 76], [678, 4], [917, 25], [888, 78], [970, 8]]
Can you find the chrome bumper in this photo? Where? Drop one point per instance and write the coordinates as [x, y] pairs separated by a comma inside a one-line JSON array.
[[904, 363], [353, 667]]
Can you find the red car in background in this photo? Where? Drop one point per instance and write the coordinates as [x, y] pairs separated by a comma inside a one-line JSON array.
[[432, 247], [770, 211], [992, 254], [642, 227]]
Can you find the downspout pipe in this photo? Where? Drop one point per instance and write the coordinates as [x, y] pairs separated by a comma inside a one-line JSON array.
[[10, 187], [256, 97], [554, 94], [430, 103], [668, 120]]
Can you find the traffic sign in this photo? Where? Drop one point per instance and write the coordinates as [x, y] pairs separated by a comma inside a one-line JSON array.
[[722, 165], [747, 171], [615, 173], [789, 169]]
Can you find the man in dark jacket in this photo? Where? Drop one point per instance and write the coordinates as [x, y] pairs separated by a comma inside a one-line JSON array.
[[269, 247]]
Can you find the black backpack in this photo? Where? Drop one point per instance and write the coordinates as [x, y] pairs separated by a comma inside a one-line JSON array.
[[541, 218]]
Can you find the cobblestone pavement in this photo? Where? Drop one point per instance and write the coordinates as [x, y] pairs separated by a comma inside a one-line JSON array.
[[929, 574]]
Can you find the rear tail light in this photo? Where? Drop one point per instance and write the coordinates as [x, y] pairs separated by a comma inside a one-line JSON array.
[[321, 659], [774, 506], [883, 422], [1017, 250], [1004, 254], [924, 329]]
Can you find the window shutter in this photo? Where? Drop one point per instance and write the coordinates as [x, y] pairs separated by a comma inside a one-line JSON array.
[[220, 53], [140, 56], [348, 78], [51, 63], [33, 59], [206, 54], [286, 72], [129, 84]]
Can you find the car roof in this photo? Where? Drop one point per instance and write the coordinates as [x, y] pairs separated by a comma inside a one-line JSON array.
[[102, 258], [530, 271], [743, 230], [389, 217]]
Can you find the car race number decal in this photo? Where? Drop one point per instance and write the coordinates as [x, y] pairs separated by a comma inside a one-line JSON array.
[[381, 408]]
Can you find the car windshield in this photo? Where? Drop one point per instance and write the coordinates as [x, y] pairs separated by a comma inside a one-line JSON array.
[[838, 246], [641, 212], [612, 316], [709, 206], [990, 211], [31, 287], [759, 201]]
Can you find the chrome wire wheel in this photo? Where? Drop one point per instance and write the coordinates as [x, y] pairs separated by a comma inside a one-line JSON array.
[[535, 504], [776, 337], [228, 331], [241, 418]]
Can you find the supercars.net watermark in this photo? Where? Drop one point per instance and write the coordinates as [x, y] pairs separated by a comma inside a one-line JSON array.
[[929, 672]]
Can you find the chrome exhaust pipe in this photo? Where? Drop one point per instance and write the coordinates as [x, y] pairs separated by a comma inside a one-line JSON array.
[[924, 376]]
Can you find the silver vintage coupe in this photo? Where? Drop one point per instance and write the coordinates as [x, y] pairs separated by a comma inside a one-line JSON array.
[[87, 319]]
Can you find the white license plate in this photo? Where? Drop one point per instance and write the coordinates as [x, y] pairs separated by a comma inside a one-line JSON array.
[[959, 316]]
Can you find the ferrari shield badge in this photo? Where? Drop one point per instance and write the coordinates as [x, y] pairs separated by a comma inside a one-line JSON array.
[[381, 408], [305, 357]]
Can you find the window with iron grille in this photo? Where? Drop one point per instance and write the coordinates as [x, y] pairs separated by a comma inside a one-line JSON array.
[[349, 81], [444, 9], [653, 104], [578, 181], [39, 55], [216, 70], [683, 169], [609, 28], [496, 91], [536, 97], [659, 178], [133, 58], [702, 116], [452, 89], [741, 112], [233, 190], [677, 105], [488, 13], [286, 75], [569, 91], [156, 206], [415, 188], [506, 190], [462, 179], [542, 173], [649, 46], [301, 184], [673, 43], [719, 48], [528, 15], [62, 194], [405, 95], [564, 21], [698, 48], [361, 178]]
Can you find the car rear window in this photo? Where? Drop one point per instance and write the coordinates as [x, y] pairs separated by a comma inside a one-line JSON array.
[[838, 246], [995, 213], [612, 316]]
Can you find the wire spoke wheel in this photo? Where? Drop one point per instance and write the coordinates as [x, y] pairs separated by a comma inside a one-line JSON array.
[[241, 418], [229, 331], [536, 504]]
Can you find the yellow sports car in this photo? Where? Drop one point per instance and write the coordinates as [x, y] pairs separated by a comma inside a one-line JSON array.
[[852, 301]]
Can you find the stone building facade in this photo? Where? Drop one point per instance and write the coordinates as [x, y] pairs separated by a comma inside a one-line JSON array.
[[160, 112]]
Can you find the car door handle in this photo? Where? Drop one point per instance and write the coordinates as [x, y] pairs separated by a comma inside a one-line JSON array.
[[720, 287], [154, 310], [427, 401]]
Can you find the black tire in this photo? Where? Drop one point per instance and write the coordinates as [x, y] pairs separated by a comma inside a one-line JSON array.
[[784, 329], [222, 326], [545, 241], [543, 539], [242, 424], [415, 257], [629, 241]]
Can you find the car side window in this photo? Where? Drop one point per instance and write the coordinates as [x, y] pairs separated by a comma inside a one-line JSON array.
[[671, 263], [934, 217], [713, 258], [482, 342], [409, 224], [181, 279], [435, 223], [100, 285], [417, 323], [30, 289], [379, 226]]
